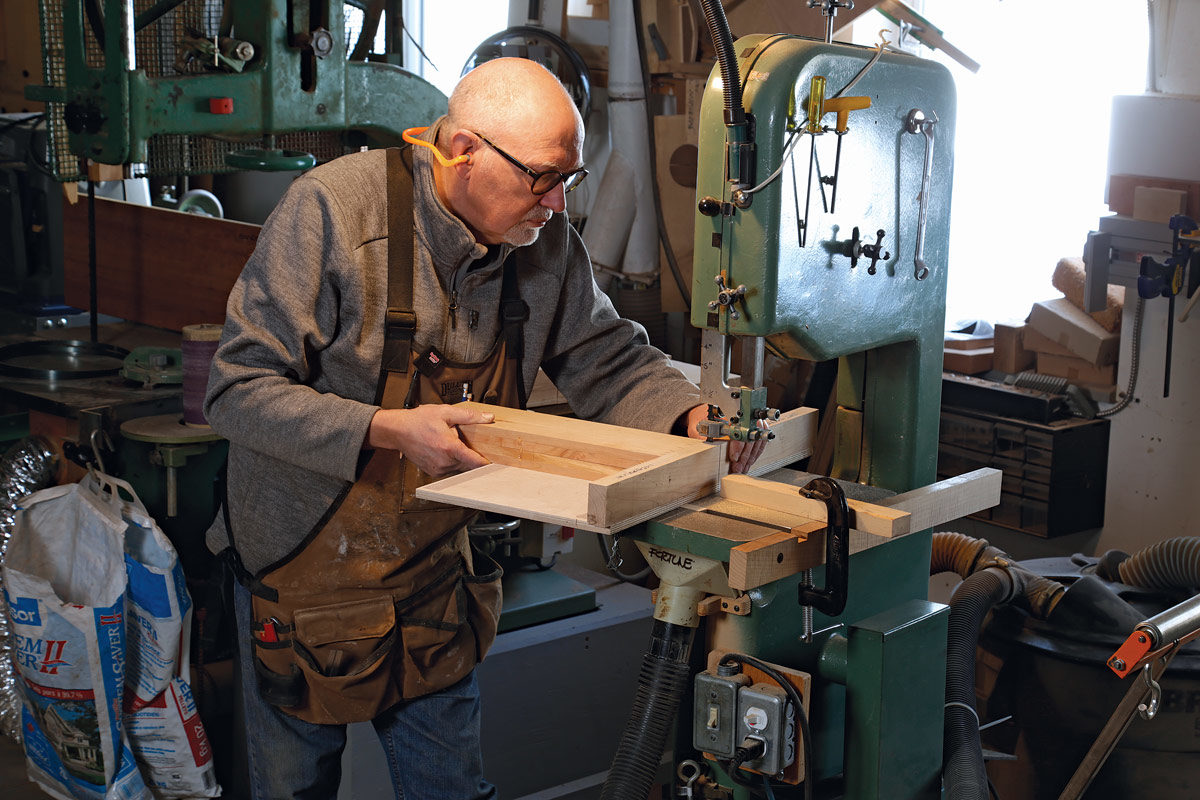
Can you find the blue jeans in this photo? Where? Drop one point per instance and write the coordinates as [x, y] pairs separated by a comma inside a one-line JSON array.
[[431, 743]]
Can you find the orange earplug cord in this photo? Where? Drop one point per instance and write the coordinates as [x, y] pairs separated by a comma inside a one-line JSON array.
[[411, 135]]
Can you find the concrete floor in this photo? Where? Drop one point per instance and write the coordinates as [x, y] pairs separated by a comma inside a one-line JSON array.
[[12, 773]]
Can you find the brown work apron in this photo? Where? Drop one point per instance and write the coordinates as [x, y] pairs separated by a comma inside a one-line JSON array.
[[383, 601]]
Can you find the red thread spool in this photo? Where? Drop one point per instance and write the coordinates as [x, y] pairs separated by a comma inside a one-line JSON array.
[[199, 345]]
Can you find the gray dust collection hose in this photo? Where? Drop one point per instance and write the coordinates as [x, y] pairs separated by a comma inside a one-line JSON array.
[[26, 467]]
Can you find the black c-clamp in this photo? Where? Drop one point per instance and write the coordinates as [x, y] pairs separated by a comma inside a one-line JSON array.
[[831, 600]]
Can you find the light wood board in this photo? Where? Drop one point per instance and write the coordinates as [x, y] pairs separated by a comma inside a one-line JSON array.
[[559, 499], [777, 556], [949, 499], [772, 540], [866, 517], [795, 432], [593, 476]]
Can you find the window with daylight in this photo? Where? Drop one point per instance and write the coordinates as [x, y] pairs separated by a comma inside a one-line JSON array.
[[1032, 138]]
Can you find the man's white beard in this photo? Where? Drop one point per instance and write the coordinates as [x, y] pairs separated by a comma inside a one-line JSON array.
[[522, 234]]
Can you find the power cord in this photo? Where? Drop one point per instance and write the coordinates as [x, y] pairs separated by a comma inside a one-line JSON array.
[[1134, 360], [749, 750]]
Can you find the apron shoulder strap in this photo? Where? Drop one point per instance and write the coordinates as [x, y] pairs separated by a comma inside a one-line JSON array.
[[513, 311], [401, 321]]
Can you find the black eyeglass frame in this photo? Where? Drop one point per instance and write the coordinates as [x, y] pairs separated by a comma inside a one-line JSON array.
[[567, 179]]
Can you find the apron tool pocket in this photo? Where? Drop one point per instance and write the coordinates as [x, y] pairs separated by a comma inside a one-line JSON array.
[[345, 651], [483, 600], [277, 688], [438, 649]]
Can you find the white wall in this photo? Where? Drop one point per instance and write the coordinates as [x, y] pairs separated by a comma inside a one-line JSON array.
[[1154, 450]]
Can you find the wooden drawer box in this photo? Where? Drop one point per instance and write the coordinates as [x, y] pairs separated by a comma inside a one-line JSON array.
[[1054, 473]]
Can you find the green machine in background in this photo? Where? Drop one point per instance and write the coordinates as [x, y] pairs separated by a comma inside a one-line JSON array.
[[822, 230], [187, 87]]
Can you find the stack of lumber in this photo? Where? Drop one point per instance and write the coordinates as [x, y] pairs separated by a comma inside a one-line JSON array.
[[1060, 339]]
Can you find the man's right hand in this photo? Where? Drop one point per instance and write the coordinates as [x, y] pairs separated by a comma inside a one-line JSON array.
[[426, 436]]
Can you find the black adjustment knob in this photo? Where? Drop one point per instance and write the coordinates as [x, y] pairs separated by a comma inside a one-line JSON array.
[[875, 252], [853, 248], [709, 206], [83, 117]]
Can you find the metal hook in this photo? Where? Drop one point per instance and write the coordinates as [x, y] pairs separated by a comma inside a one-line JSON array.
[[614, 561], [689, 770], [1149, 711], [105, 442], [884, 41]]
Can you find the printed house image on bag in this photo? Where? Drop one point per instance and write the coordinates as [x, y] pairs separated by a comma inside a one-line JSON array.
[[74, 733]]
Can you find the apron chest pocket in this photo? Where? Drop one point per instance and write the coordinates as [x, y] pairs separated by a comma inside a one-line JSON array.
[[346, 652], [345, 639]]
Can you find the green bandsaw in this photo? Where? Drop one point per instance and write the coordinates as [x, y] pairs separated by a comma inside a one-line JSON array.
[[822, 233], [821, 300]]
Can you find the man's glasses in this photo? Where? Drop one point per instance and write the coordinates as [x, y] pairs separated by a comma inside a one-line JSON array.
[[543, 182]]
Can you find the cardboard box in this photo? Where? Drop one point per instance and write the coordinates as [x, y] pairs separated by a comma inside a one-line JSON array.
[[1061, 322], [1076, 370], [1036, 343], [1011, 355], [966, 341], [1155, 204], [783, 16], [968, 362]]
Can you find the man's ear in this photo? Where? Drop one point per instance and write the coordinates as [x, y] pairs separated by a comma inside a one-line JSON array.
[[462, 146]]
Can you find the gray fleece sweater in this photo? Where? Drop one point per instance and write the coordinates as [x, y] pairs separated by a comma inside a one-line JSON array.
[[293, 381]]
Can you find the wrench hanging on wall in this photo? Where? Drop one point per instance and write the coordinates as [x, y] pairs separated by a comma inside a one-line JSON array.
[[920, 122]]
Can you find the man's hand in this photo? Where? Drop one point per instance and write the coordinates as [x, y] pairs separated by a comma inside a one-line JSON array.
[[426, 436], [742, 455]]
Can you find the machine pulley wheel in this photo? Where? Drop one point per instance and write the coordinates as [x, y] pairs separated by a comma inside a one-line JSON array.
[[265, 160]]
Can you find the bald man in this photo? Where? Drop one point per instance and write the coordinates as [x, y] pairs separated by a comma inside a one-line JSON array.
[[386, 286]]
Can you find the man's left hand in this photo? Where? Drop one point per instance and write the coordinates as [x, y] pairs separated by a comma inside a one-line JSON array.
[[742, 455]]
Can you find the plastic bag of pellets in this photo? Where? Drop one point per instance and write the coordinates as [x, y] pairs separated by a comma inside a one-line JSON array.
[[99, 612], [64, 583], [161, 719]]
